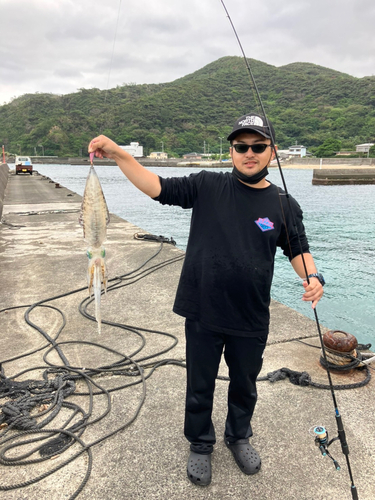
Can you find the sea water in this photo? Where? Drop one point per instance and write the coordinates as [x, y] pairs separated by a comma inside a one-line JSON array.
[[339, 222]]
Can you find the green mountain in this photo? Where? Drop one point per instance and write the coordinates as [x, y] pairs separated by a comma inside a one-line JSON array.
[[307, 104]]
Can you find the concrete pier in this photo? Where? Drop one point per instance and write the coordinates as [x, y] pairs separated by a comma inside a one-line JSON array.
[[42, 255], [331, 177]]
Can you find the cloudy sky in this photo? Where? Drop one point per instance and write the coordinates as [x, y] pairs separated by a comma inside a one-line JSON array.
[[59, 46]]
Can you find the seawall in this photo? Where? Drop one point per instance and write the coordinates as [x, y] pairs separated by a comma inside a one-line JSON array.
[[173, 162], [4, 172], [146, 162], [349, 162], [344, 176]]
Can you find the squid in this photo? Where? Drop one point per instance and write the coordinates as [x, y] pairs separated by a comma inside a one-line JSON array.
[[94, 219]]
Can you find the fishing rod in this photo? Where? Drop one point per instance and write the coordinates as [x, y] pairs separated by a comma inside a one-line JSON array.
[[321, 434]]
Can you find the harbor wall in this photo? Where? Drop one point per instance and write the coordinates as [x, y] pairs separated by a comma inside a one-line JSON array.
[[146, 162], [65, 160], [173, 162], [330, 177], [358, 162], [4, 170]]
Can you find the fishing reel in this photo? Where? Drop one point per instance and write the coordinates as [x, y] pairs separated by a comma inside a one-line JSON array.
[[322, 442]]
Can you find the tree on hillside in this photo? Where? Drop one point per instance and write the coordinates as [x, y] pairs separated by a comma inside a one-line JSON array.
[[306, 103], [329, 148], [372, 152]]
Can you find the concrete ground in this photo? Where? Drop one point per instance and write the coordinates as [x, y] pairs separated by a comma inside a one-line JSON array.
[[42, 255]]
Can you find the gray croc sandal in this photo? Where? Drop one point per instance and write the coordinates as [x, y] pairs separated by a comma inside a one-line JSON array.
[[247, 459], [199, 468]]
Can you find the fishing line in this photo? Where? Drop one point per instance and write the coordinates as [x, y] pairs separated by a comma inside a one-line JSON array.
[[340, 427], [105, 116], [113, 50]]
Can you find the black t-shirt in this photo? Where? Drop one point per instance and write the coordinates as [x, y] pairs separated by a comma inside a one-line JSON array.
[[227, 274]]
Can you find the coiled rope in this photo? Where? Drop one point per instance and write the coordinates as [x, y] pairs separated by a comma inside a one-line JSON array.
[[49, 395]]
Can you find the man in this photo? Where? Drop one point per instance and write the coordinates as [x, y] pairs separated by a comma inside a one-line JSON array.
[[238, 220]]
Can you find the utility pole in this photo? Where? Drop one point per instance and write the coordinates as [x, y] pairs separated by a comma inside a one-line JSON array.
[[221, 147]]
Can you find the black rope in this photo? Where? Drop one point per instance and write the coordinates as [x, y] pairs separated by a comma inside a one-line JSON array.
[[153, 237], [304, 379], [58, 383]]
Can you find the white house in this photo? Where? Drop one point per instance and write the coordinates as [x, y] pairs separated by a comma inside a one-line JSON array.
[[134, 149], [299, 151], [364, 148]]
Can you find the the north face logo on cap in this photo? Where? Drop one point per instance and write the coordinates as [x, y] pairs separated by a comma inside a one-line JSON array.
[[251, 120]]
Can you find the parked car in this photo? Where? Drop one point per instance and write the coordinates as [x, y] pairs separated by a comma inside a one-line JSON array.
[[23, 165]]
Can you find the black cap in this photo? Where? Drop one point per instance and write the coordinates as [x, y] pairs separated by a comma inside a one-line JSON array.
[[252, 123]]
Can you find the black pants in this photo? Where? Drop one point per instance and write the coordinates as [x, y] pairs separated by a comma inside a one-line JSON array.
[[244, 357]]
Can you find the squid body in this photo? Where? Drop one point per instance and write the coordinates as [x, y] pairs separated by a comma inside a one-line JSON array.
[[94, 218]]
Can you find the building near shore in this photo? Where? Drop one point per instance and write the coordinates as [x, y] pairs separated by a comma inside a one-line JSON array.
[[134, 149], [364, 148], [293, 152], [158, 155], [299, 151], [192, 156]]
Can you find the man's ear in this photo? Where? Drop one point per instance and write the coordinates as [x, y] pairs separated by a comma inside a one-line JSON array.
[[274, 152]]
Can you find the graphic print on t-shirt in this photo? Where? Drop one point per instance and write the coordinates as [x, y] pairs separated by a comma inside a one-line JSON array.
[[264, 224]]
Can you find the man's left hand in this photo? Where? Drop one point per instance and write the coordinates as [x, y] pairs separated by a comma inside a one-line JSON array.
[[313, 291]]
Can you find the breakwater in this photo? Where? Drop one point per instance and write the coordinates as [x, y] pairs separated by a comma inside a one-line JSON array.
[[146, 162], [350, 162], [330, 177]]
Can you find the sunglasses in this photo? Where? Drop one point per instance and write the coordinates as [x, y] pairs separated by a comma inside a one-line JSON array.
[[256, 148]]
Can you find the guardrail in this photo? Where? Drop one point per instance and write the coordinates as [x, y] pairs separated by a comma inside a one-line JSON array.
[[4, 172]]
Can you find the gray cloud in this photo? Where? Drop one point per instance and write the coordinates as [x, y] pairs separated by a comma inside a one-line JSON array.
[[59, 46]]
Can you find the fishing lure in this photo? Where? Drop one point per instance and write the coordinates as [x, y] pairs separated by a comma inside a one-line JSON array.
[[94, 218]]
